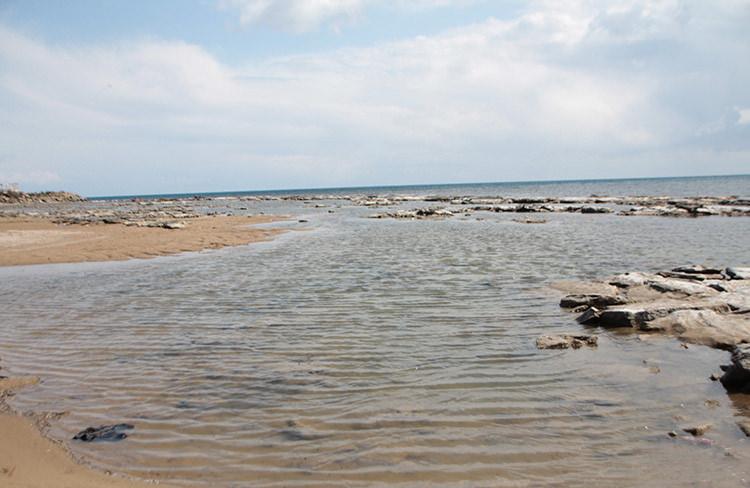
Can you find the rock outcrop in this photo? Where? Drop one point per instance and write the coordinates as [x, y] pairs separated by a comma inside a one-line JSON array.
[[697, 304], [19, 197]]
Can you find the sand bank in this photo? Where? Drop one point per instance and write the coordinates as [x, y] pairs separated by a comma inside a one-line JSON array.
[[40, 241]]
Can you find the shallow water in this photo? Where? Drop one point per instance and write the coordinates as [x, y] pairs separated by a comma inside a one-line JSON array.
[[365, 352]]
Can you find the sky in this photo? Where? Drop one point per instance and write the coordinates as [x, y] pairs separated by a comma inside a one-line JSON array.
[[106, 97]]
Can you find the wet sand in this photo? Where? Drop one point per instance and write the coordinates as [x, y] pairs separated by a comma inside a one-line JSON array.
[[40, 241], [29, 460]]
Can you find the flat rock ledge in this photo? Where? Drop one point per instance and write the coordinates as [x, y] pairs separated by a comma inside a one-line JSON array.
[[696, 304]]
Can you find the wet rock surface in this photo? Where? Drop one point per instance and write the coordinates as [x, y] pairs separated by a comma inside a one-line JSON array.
[[698, 430], [736, 376], [566, 341], [107, 433]]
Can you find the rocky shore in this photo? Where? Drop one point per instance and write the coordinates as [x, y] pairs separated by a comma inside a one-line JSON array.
[[696, 304], [19, 197], [173, 212], [661, 206]]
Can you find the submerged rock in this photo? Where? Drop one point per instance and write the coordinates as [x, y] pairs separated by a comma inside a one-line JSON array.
[[566, 341], [698, 430], [104, 433]]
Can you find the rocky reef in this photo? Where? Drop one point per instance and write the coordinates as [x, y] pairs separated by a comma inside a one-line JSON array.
[[624, 206]]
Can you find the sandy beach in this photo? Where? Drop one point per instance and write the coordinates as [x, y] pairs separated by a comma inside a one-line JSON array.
[[41, 241]]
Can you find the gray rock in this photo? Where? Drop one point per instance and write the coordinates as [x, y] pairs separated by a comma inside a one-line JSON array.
[[667, 285], [566, 341], [706, 327], [627, 280], [638, 315]]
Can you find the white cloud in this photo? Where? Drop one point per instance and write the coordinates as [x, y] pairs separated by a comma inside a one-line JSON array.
[[298, 15], [307, 15], [561, 91], [744, 114]]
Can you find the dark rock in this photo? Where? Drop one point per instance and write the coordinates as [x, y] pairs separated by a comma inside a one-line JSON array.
[[173, 225], [530, 221], [683, 276], [104, 433], [738, 273], [589, 316], [698, 430], [697, 269], [595, 210], [591, 300], [736, 376]]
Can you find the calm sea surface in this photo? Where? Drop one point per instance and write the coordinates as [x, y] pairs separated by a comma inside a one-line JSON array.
[[361, 352]]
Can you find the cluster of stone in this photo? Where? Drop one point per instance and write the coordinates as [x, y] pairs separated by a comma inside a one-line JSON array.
[[10, 196]]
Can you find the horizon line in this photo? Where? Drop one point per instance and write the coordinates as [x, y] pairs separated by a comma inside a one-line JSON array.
[[360, 187]]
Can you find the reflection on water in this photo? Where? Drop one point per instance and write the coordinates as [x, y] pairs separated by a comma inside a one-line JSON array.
[[369, 352]]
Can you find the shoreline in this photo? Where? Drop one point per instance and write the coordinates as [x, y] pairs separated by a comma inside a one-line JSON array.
[[35, 240], [29, 459]]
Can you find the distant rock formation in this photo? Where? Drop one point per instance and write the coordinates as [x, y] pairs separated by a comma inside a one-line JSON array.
[[13, 195]]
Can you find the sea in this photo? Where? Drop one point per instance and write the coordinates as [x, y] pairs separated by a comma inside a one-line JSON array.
[[353, 352]]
